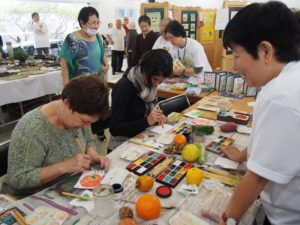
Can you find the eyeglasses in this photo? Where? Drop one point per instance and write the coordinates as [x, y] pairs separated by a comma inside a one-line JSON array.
[[94, 23]]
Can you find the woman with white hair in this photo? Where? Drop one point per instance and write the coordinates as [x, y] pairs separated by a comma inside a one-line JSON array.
[[131, 44]]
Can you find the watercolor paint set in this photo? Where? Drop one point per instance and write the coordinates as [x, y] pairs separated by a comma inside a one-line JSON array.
[[221, 142], [145, 163], [174, 173]]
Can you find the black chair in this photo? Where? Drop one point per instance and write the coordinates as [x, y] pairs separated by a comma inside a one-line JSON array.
[[175, 104], [3, 159]]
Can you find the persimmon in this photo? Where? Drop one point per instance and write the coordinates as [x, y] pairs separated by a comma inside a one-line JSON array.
[[179, 140], [148, 207], [144, 183]]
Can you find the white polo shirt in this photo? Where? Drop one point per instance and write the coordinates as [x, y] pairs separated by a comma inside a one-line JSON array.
[[40, 32], [117, 36], [274, 150], [193, 55]]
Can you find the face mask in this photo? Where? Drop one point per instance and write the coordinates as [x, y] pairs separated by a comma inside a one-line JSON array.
[[91, 32]]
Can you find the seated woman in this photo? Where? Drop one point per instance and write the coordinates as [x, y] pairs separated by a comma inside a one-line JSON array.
[[134, 96], [188, 51], [44, 145]]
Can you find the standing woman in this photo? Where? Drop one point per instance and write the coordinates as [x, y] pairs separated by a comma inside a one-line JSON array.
[[83, 52], [145, 40], [134, 96]]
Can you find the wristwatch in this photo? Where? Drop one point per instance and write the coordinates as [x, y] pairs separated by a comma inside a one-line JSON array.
[[229, 221]]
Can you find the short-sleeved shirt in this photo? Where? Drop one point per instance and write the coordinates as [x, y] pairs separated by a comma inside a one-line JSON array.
[[118, 38], [274, 148], [193, 55], [161, 43], [83, 57]]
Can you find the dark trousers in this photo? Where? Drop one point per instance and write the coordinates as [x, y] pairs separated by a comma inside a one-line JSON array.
[[116, 61], [267, 222], [131, 60], [41, 50]]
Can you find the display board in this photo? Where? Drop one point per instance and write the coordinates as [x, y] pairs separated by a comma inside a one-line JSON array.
[[189, 20]]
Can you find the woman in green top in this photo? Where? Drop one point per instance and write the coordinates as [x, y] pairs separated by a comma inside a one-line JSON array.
[[44, 146], [82, 52]]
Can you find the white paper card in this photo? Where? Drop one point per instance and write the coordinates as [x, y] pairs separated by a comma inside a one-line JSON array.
[[161, 129], [226, 163], [115, 176]]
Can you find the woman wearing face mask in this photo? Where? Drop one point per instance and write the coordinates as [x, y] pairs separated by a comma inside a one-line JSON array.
[[83, 52]]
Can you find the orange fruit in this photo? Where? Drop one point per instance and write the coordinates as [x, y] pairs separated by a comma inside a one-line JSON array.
[[148, 207], [179, 140], [144, 183], [128, 221]]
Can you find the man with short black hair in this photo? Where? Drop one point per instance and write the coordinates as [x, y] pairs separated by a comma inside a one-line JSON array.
[[265, 41], [40, 32]]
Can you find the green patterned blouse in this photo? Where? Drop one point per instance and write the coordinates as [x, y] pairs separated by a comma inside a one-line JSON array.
[[36, 143], [83, 57]]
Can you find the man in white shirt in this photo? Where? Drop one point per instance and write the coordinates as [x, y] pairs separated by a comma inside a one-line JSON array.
[[188, 51], [163, 41], [270, 59], [40, 32], [117, 35]]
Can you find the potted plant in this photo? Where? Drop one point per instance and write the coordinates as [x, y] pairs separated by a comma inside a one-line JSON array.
[[20, 55]]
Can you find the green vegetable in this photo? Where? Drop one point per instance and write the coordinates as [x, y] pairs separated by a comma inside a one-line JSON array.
[[206, 129], [202, 157]]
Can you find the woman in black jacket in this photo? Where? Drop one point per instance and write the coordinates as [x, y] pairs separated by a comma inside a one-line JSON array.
[[134, 97]]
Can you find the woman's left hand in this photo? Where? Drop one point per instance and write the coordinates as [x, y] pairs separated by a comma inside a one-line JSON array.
[[103, 161]]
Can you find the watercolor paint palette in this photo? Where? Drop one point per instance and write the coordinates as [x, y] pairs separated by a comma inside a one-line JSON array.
[[174, 173], [221, 142], [182, 128], [145, 163]]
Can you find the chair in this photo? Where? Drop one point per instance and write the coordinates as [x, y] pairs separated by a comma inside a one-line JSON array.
[[3, 159], [175, 104]]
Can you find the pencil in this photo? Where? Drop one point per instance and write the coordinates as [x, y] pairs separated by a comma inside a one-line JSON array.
[[77, 196], [142, 144], [18, 219], [78, 142], [19, 215]]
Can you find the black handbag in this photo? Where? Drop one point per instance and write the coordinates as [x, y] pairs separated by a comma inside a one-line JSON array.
[[175, 104]]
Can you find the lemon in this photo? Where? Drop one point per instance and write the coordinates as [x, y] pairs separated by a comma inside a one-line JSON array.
[[194, 176], [190, 153]]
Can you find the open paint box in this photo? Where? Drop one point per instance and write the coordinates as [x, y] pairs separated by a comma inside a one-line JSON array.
[[234, 116]]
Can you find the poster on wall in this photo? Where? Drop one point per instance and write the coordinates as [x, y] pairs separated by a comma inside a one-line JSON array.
[[155, 18], [208, 29], [120, 12], [184, 17], [132, 13]]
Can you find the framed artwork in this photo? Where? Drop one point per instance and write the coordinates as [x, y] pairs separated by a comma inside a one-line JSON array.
[[155, 15], [193, 27], [187, 33], [193, 36], [120, 12], [184, 17], [193, 17], [185, 26]]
